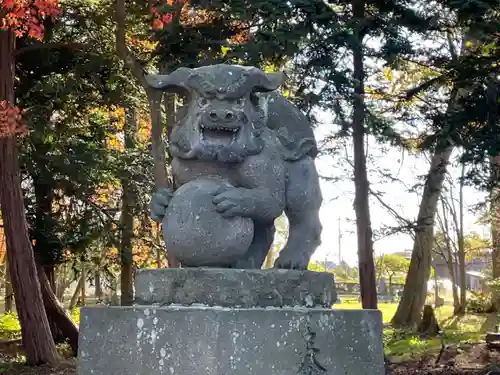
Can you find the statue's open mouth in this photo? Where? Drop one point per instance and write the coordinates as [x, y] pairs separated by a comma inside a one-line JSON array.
[[217, 134]]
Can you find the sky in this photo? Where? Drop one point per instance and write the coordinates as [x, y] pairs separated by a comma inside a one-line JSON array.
[[338, 201]]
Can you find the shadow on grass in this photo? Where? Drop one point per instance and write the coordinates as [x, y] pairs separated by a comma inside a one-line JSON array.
[[458, 329], [451, 322]]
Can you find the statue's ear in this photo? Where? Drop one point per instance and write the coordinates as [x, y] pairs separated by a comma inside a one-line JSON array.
[[265, 82], [173, 82]]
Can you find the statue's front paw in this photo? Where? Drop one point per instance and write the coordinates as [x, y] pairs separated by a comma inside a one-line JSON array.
[[159, 204], [231, 202], [291, 261]]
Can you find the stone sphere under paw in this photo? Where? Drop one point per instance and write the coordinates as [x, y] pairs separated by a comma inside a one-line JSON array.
[[197, 235]]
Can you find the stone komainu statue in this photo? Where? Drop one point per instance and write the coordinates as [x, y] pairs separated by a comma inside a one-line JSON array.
[[234, 125]]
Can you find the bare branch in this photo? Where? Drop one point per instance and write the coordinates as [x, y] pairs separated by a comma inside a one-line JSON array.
[[57, 45], [408, 225]]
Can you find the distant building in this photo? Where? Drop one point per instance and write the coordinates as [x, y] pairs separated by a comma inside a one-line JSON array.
[[474, 269]]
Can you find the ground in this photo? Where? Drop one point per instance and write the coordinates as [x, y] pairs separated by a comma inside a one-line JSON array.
[[65, 369], [407, 354], [463, 353]]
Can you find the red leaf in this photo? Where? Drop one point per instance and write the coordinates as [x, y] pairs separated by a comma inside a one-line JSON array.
[[23, 17]]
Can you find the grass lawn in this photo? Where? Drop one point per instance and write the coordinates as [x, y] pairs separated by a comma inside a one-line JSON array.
[[397, 343], [456, 330]]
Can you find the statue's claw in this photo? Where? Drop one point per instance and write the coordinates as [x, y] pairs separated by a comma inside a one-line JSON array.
[[230, 202], [159, 204], [291, 260]]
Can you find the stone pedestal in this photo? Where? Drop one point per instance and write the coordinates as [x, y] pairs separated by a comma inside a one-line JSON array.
[[230, 322]]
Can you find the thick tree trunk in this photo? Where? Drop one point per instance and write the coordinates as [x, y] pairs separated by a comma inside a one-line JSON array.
[[415, 289], [412, 301], [127, 217], [58, 318], [37, 338], [47, 250], [9, 293], [361, 202], [429, 325]]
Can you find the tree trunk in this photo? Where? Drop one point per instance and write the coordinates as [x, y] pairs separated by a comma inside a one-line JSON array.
[[37, 338], [171, 119], [436, 291], [114, 294], [50, 273], [83, 285], [62, 282], [361, 202], [159, 157], [154, 100], [449, 256], [461, 244], [454, 289], [415, 289], [98, 285], [76, 293], [9, 293], [429, 325], [495, 225], [459, 247], [65, 328], [412, 300], [127, 216]]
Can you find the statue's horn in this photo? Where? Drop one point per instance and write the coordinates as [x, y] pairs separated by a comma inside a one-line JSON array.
[[175, 81], [265, 82]]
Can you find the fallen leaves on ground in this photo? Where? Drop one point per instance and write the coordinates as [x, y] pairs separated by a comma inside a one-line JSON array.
[[467, 359]]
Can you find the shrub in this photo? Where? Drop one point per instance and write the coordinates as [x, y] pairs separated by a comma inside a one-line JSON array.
[[9, 327], [479, 302]]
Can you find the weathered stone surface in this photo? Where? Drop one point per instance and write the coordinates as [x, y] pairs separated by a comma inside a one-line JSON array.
[[220, 341], [263, 147], [196, 234], [234, 287]]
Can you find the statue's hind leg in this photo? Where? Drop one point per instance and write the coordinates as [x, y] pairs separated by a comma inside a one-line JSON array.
[[262, 240], [303, 201]]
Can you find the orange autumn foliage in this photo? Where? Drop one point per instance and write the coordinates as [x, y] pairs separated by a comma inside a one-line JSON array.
[[188, 16], [143, 45], [10, 120], [143, 127], [24, 17], [161, 19]]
